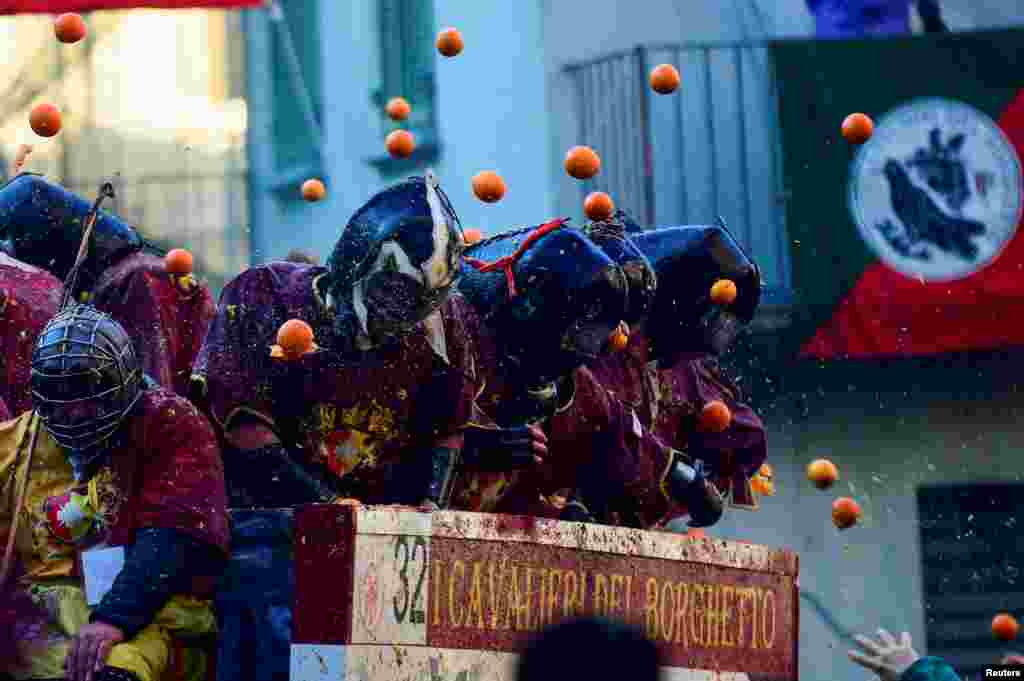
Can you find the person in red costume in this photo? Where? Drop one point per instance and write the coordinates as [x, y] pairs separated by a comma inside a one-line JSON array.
[[553, 307], [377, 412], [107, 460], [124, 275], [548, 300], [628, 446], [29, 297]]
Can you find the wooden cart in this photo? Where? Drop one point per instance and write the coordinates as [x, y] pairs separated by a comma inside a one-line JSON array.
[[390, 593]]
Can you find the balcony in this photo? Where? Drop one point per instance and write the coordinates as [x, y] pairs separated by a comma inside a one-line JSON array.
[[710, 149]]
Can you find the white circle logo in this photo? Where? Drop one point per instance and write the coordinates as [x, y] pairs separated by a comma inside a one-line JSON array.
[[936, 192]]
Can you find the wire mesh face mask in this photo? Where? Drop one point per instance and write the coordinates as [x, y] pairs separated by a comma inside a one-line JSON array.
[[85, 380]]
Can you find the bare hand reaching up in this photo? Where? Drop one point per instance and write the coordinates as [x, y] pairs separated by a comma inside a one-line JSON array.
[[886, 657]]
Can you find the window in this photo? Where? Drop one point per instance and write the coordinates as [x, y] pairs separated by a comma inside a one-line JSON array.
[[972, 551], [407, 59], [296, 147]]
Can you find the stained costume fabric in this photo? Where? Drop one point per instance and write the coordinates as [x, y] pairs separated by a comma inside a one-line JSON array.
[[29, 297], [122, 274], [354, 413], [667, 373], [165, 474], [594, 444], [166, 316], [667, 403]]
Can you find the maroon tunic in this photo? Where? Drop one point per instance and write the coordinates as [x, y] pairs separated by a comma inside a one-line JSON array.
[[667, 403], [168, 475], [165, 319], [5, 413], [593, 439], [29, 298], [355, 415]]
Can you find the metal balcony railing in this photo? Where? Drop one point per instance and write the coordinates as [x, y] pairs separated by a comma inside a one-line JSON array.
[[711, 149]]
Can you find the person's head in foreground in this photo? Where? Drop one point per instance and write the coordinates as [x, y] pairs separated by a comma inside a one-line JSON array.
[[589, 648]]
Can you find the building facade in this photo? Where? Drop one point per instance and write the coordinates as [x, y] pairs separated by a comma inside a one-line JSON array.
[[152, 101], [539, 77]]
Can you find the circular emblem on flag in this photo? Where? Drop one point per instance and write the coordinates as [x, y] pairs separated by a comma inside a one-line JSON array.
[[937, 191]]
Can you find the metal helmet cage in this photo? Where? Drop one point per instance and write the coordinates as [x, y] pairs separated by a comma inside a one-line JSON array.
[[84, 357]]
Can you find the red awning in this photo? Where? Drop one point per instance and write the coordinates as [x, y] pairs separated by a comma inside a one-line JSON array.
[[61, 6]]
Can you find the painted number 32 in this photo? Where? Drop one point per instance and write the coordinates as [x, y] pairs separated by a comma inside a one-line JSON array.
[[411, 559]]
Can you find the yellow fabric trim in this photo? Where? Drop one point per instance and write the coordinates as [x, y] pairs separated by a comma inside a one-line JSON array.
[[41, 555], [94, 493], [663, 484], [147, 655]]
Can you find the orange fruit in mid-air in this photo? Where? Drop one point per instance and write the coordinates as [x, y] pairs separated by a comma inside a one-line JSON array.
[[488, 186], [598, 206], [1005, 626], [723, 292], [178, 261], [845, 512], [295, 339], [823, 473], [69, 28], [619, 338], [763, 481], [400, 143], [471, 236], [582, 163], [857, 128], [665, 79], [449, 42], [398, 109], [313, 190], [715, 417], [45, 120]]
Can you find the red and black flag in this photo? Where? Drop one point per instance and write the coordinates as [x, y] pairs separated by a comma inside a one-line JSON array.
[[910, 243]]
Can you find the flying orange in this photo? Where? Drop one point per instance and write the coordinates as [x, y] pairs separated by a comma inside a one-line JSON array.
[[69, 28], [178, 262], [845, 512], [400, 143], [398, 109], [858, 128], [45, 120], [449, 42], [598, 206], [488, 186], [313, 190], [715, 417], [582, 162], [665, 79], [723, 292]]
